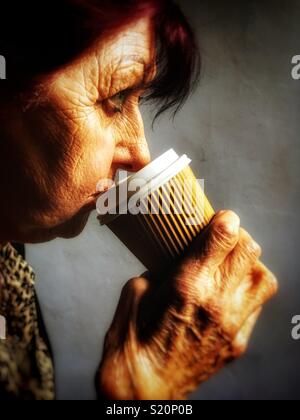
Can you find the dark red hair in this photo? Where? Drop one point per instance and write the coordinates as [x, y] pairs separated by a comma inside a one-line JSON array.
[[38, 37]]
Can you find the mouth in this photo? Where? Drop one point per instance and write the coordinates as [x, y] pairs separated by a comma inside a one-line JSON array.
[[102, 187], [83, 214]]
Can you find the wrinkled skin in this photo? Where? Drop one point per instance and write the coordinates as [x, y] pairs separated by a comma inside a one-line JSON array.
[[74, 132], [82, 124], [171, 334]]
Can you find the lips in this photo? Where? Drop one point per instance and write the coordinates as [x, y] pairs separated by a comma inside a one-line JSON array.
[[103, 186]]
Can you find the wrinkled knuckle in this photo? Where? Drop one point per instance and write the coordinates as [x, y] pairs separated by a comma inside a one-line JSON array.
[[254, 249], [230, 327], [257, 250], [273, 285], [228, 214], [251, 247], [268, 284], [224, 231], [239, 348], [244, 234], [227, 227]]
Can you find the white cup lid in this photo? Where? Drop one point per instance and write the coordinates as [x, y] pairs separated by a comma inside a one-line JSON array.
[[156, 167], [157, 173]]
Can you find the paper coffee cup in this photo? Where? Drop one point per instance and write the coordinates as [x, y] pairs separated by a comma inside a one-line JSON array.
[[157, 212]]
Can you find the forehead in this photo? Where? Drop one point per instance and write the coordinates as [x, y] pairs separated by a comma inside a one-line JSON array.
[[128, 53], [132, 43], [125, 56]]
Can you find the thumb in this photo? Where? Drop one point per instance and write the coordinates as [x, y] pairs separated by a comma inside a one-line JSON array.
[[213, 246]]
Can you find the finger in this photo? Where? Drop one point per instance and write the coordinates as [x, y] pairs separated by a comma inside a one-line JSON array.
[[127, 309], [242, 259], [264, 284], [258, 287], [213, 246], [240, 343]]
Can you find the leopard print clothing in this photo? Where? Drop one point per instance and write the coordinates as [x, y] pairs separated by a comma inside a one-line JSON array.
[[26, 368]]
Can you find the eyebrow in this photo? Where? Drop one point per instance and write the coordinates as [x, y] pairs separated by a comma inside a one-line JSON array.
[[148, 67], [142, 82], [134, 57]]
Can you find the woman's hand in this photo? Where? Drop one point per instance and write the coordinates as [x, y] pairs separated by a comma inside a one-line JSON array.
[[170, 335]]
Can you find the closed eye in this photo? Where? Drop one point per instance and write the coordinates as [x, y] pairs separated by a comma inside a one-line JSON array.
[[116, 103]]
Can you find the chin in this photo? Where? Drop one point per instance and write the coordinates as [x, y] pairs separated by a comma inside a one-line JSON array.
[[67, 230], [73, 227]]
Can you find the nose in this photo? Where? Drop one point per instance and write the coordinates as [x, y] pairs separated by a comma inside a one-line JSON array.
[[132, 157], [132, 153]]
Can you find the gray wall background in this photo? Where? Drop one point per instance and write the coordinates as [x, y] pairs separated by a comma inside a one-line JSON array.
[[242, 129]]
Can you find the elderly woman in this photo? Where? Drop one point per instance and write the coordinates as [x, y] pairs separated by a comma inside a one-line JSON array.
[[76, 72]]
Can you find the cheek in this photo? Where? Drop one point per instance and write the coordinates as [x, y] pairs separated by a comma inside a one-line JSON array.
[[93, 157], [128, 129], [77, 152]]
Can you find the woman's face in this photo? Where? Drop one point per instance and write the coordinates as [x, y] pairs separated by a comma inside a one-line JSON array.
[[83, 124]]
